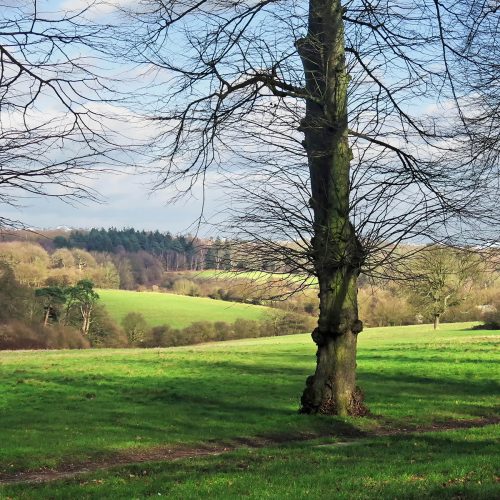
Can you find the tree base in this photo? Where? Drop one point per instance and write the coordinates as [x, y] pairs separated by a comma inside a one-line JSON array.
[[328, 406]]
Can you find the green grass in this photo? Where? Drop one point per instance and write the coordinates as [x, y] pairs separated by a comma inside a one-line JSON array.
[[178, 311], [72, 406], [454, 465]]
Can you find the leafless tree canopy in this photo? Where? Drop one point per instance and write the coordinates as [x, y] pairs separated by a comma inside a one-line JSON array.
[[52, 86], [422, 116], [481, 83]]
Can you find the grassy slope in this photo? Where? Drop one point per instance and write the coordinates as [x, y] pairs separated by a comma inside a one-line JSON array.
[[60, 406], [177, 311]]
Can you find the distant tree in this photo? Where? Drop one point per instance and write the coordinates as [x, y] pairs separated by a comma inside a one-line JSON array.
[[28, 260], [52, 297], [146, 268], [211, 258], [61, 242], [124, 268], [82, 298], [440, 277], [103, 331], [62, 258], [106, 276], [135, 326], [179, 253], [16, 300], [83, 260], [227, 260]]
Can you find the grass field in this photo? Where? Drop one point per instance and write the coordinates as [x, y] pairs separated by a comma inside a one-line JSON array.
[[178, 311], [79, 406]]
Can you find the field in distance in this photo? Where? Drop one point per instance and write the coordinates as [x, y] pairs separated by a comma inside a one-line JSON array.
[[70, 409], [177, 311], [258, 277]]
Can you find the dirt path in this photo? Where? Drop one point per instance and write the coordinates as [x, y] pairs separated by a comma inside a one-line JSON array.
[[166, 454]]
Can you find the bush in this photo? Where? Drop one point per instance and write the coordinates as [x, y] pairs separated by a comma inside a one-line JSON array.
[[19, 335], [286, 323], [65, 337], [200, 331], [161, 336], [223, 330], [205, 331], [104, 332], [186, 287], [246, 328], [491, 318], [379, 307], [135, 327]]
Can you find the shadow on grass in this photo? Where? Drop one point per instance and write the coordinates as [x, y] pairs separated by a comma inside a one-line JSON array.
[[58, 413], [452, 465]]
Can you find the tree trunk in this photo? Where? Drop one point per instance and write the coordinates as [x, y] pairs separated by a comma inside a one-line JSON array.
[[46, 317], [86, 312], [436, 321], [337, 253]]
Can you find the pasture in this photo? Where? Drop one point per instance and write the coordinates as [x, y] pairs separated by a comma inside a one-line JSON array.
[[430, 394], [177, 311]]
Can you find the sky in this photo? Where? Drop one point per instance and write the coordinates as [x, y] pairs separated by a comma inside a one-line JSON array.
[[127, 199]]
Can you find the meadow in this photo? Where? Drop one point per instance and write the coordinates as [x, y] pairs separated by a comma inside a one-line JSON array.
[[177, 311], [64, 410]]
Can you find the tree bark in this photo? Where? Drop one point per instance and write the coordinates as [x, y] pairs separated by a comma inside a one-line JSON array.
[[46, 316], [337, 253], [436, 321], [85, 312]]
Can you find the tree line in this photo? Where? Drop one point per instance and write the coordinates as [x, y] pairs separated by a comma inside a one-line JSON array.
[[438, 282], [53, 316], [70, 316], [176, 253], [130, 258]]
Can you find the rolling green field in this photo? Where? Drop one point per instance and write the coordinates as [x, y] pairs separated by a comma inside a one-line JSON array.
[[177, 311], [79, 407]]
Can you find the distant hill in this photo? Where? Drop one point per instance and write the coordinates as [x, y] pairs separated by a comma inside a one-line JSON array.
[[177, 311]]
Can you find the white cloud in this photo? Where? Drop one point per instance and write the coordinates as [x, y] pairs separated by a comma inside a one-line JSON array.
[[95, 8]]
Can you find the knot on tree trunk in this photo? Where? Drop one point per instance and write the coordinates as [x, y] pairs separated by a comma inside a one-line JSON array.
[[319, 338], [357, 327]]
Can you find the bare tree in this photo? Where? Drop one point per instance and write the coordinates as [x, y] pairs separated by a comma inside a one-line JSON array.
[[441, 277], [344, 124], [52, 131]]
